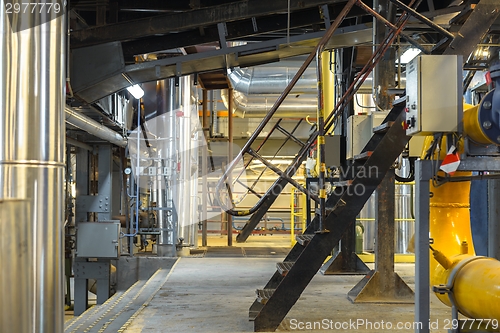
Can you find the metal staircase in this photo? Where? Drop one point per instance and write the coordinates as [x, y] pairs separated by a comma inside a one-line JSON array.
[[284, 177], [370, 167], [311, 250]]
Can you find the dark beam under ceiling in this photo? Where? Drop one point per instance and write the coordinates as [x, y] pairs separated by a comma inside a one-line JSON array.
[[176, 22], [235, 30]]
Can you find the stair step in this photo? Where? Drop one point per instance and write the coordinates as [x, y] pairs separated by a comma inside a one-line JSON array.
[[383, 128], [263, 295], [290, 135], [304, 239], [328, 210], [284, 267], [342, 183], [363, 156]]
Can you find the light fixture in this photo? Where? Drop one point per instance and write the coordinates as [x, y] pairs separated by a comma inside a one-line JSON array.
[[409, 54], [134, 89]]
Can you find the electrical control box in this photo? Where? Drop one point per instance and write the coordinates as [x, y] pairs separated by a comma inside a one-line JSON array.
[[98, 239], [333, 150], [360, 130], [416, 145], [433, 94]]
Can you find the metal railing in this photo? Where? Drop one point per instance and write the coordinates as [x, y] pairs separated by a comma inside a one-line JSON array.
[[323, 125]]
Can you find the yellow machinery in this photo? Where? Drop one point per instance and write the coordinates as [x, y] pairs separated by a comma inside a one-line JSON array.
[[472, 283], [297, 212]]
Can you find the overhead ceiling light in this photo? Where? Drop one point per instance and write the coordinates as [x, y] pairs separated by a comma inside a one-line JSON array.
[[136, 91], [409, 54]]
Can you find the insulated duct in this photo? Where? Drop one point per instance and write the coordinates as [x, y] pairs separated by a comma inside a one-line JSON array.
[[256, 89], [91, 126], [32, 168]]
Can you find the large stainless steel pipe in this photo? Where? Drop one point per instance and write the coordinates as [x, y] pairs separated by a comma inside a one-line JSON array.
[[32, 152], [91, 126], [256, 89], [163, 193], [14, 216], [185, 205]]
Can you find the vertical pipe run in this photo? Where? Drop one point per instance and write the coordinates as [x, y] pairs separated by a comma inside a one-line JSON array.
[[184, 145], [230, 158], [163, 194], [321, 143], [32, 133], [204, 167], [173, 218], [328, 78], [194, 158], [188, 154]]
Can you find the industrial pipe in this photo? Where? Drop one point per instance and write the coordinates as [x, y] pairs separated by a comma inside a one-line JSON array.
[[91, 126], [467, 282], [481, 122], [256, 89], [76, 143], [163, 191], [474, 284], [32, 167]]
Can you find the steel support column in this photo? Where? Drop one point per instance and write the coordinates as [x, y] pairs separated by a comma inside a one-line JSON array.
[[85, 270], [383, 285], [493, 218], [346, 261], [82, 184], [423, 173], [105, 182]]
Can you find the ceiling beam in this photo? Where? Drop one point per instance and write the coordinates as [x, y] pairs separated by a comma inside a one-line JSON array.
[[235, 30], [246, 55], [175, 22]]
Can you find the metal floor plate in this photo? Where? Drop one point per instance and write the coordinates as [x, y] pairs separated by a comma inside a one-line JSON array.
[[118, 311]]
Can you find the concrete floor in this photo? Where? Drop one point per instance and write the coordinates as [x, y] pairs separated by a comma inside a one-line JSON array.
[[214, 294], [212, 290]]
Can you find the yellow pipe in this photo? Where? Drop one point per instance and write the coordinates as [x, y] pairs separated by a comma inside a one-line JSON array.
[[328, 90], [328, 81], [476, 286], [473, 127], [449, 217]]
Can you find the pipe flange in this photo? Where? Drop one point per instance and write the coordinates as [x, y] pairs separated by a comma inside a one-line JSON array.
[[495, 71], [490, 125]]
